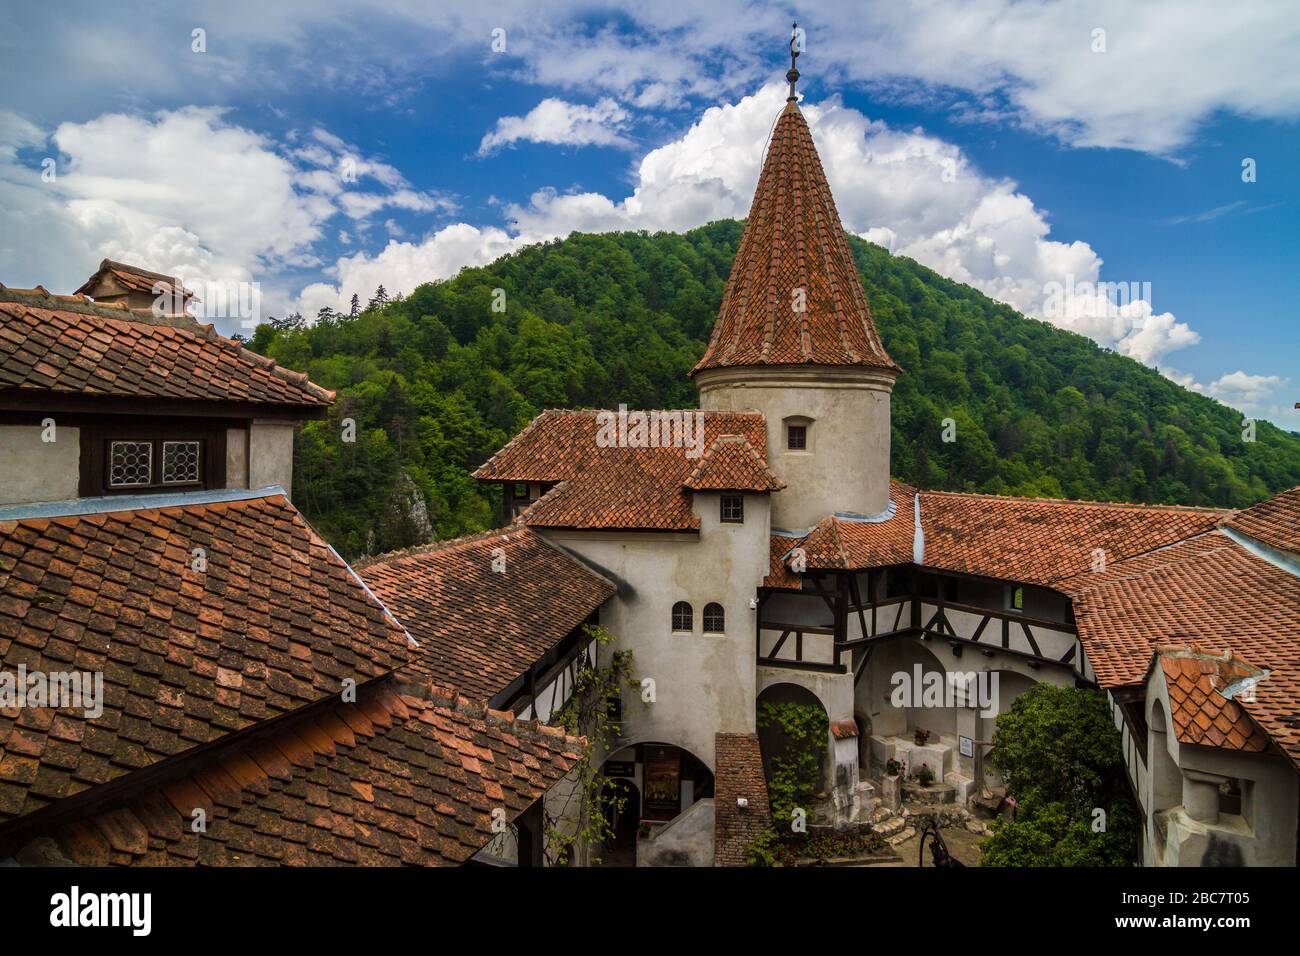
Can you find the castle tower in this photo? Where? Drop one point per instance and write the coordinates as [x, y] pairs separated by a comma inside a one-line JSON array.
[[795, 340]]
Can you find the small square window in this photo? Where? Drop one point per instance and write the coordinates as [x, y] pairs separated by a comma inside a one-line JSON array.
[[130, 464], [796, 437], [180, 463], [733, 508], [1015, 599]]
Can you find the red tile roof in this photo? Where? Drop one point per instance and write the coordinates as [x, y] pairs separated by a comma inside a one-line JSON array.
[[59, 344], [276, 621], [1206, 591], [731, 464], [610, 487], [739, 776], [1199, 712], [391, 779], [133, 279], [779, 574], [840, 542], [479, 629], [1042, 541], [793, 240], [1275, 522]]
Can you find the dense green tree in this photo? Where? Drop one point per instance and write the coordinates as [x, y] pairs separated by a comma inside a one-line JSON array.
[[1059, 754], [595, 320]]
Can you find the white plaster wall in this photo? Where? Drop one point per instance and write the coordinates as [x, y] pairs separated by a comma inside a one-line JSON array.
[[236, 457], [1265, 834], [846, 464], [703, 683], [270, 455], [874, 692], [35, 470]]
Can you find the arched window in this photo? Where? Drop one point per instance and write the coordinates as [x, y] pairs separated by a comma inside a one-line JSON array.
[[715, 619], [683, 617]]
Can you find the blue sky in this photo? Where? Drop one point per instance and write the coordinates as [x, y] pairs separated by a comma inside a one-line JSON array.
[[319, 149]]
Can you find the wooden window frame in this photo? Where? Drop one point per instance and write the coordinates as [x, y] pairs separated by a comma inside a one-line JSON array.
[[96, 440], [801, 430], [722, 616], [739, 501]]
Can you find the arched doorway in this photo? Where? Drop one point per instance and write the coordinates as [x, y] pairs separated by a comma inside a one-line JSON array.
[[776, 744], [647, 787]]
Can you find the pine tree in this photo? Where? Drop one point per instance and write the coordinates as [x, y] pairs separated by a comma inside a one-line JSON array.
[[379, 299], [356, 305]]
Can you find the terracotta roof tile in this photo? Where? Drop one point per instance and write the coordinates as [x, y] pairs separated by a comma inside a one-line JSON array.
[[611, 487], [793, 240], [134, 279], [1275, 522], [731, 464], [478, 629], [1042, 541], [400, 795], [56, 344], [841, 542], [187, 657], [1206, 591], [1198, 710]]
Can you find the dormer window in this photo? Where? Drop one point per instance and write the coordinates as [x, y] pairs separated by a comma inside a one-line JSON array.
[[151, 462], [134, 458]]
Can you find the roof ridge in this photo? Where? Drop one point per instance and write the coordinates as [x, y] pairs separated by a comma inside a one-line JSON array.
[[1117, 576], [1135, 505], [432, 547], [82, 305]]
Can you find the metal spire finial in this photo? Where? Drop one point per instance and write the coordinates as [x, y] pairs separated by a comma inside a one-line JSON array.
[[796, 47]]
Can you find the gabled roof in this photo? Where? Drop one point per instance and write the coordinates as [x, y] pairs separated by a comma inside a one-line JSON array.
[[133, 279], [479, 628], [388, 780], [731, 464], [612, 487], [1207, 591], [64, 345], [189, 653], [1200, 713], [1275, 522], [794, 253]]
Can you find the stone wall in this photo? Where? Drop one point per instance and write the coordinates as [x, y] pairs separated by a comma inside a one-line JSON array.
[[739, 776]]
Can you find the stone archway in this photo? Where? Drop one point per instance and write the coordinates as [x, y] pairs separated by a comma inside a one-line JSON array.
[[667, 799], [773, 741]]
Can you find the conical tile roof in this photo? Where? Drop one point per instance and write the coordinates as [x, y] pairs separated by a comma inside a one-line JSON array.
[[794, 297]]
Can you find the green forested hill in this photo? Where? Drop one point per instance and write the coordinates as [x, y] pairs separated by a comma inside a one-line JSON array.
[[438, 381]]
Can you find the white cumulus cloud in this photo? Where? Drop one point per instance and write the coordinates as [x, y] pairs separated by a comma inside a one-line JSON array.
[[559, 122]]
